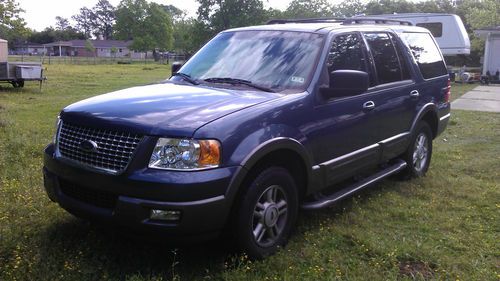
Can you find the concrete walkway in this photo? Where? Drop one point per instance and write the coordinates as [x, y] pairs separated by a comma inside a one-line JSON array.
[[481, 98]]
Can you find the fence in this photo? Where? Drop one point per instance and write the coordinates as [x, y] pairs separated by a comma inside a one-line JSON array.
[[93, 60]]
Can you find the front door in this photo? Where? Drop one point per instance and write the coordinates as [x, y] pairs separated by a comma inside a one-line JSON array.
[[344, 132]]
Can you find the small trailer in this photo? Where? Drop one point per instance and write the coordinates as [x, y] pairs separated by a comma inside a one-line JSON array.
[[16, 73], [448, 29]]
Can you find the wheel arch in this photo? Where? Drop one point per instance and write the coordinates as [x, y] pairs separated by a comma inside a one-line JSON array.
[[429, 114], [285, 152], [281, 151]]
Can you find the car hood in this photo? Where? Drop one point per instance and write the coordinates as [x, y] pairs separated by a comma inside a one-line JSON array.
[[161, 109]]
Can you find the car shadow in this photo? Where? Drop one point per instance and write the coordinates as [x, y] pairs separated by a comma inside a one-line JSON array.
[[101, 252]]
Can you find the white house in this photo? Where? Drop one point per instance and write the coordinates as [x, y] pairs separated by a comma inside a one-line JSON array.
[[102, 48], [28, 49], [491, 61]]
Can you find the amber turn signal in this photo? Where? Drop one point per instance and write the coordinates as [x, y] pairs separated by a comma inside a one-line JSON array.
[[210, 153]]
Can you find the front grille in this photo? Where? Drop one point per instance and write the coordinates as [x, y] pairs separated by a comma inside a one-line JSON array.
[[114, 149], [93, 197]]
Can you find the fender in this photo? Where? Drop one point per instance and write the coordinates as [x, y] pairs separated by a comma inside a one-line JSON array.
[[273, 145], [426, 108], [261, 151]]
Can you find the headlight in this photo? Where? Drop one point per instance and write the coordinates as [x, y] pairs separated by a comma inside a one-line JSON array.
[[185, 154], [58, 123]]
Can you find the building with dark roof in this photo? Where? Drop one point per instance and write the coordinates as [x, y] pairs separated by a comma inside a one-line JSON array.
[[27, 48]]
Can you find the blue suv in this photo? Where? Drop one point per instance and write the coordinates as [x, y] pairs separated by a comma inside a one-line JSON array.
[[259, 123]]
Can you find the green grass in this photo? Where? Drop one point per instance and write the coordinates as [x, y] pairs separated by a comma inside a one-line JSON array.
[[445, 226], [81, 60]]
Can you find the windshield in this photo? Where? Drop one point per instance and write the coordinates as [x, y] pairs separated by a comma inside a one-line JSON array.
[[277, 60]]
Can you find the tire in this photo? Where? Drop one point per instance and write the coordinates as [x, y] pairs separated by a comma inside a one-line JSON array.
[[17, 83], [267, 213], [419, 152]]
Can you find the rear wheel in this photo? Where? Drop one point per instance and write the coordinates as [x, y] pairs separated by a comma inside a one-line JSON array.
[[419, 152], [18, 83], [267, 213]]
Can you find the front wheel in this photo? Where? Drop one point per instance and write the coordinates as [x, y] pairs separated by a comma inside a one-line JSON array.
[[419, 152], [267, 213]]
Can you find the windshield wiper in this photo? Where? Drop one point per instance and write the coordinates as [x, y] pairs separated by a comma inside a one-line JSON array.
[[186, 77], [235, 81]]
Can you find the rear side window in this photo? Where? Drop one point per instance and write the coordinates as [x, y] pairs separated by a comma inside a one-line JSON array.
[[436, 28], [385, 57], [405, 71], [426, 53]]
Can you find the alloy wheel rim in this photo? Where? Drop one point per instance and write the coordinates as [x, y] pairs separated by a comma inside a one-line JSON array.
[[269, 216], [420, 152]]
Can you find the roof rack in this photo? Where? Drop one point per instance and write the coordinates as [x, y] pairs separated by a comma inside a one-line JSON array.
[[358, 20], [310, 20], [345, 21]]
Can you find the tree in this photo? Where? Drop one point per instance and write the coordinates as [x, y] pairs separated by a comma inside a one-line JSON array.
[[12, 25], [308, 9], [89, 47], [102, 19], [348, 9], [223, 14], [189, 35], [479, 14], [272, 13], [175, 13], [436, 6], [83, 22], [128, 15], [113, 51], [377, 7], [147, 24], [476, 15], [98, 21], [10, 14], [62, 23], [50, 34]]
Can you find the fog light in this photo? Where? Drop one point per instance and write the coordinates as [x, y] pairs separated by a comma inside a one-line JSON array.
[[165, 215]]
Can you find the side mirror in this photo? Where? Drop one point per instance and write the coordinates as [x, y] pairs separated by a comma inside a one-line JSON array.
[[176, 66], [344, 83]]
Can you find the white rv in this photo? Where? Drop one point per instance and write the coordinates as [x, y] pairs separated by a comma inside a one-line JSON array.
[[448, 29]]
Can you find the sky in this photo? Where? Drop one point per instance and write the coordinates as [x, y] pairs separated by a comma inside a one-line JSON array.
[[40, 14]]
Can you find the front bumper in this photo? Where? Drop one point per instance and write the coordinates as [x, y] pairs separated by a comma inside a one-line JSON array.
[[128, 199]]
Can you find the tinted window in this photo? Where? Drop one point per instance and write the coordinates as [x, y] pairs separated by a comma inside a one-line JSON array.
[[384, 56], [405, 71], [426, 53], [436, 28], [346, 53]]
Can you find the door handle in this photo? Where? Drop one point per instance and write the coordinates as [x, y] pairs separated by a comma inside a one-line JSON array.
[[369, 105], [414, 94]]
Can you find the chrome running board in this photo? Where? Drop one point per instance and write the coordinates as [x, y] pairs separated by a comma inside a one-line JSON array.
[[330, 199]]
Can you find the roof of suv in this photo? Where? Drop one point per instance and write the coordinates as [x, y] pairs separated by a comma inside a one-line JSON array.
[[326, 27]]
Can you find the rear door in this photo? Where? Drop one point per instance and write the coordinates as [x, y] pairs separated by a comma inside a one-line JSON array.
[[394, 94], [432, 75]]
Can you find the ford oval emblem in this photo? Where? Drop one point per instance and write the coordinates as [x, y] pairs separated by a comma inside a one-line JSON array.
[[88, 146]]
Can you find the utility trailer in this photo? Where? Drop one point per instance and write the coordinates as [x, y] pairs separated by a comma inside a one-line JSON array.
[[448, 29], [16, 73]]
